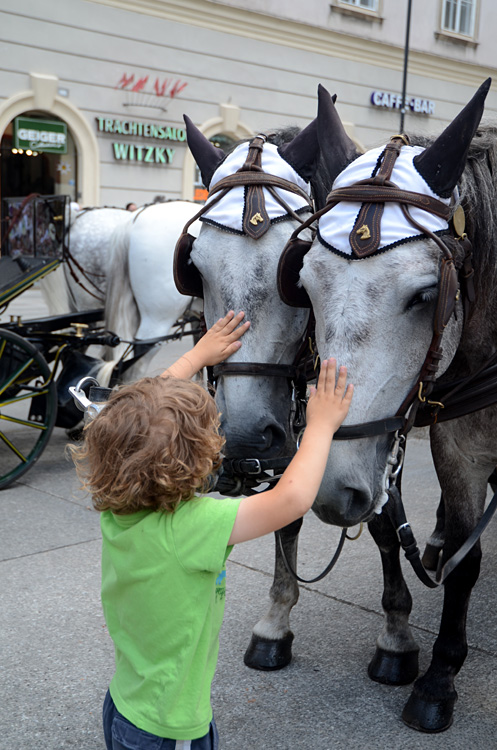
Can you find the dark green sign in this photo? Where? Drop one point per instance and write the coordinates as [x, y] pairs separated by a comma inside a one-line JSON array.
[[49, 136]]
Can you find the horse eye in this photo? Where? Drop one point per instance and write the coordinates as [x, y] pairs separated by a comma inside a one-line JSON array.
[[423, 297]]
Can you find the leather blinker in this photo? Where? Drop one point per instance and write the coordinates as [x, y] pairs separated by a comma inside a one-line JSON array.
[[288, 275], [448, 294], [186, 274]]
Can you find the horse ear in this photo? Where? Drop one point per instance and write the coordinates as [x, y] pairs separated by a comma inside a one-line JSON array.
[[207, 156], [442, 164], [337, 149], [303, 151]]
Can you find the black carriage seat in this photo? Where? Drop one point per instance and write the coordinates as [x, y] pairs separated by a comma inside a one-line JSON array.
[[18, 274]]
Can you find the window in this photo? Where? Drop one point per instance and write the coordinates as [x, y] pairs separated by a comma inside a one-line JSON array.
[[367, 4], [458, 17]]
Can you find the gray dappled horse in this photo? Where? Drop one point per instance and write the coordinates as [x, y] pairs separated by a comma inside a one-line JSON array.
[[388, 283], [233, 264]]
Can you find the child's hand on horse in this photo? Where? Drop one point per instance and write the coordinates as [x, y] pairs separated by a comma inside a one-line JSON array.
[[329, 403], [220, 342]]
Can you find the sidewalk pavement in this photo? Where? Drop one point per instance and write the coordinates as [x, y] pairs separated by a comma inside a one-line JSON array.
[[56, 656]]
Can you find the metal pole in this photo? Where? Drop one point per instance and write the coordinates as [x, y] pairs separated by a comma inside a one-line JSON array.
[[406, 56]]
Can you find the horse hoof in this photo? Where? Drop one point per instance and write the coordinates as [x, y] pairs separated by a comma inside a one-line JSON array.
[[431, 557], [429, 716], [393, 668], [268, 655]]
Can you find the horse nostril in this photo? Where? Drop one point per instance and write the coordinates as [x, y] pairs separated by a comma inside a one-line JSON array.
[[359, 504], [273, 438]]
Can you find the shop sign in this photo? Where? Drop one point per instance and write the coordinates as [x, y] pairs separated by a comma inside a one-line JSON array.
[[143, 129], [142, 153], [49, 136], [394, 101], [147, 154]]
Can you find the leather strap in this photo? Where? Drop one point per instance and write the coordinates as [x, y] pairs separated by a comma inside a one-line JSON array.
[[395, 510], [370, 192], [325, 572], [240, 179], [370, 429], [256, 220], [255, 368], [365, 236]]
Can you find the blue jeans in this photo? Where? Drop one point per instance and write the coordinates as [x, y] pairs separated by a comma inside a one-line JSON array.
[[121, 734]]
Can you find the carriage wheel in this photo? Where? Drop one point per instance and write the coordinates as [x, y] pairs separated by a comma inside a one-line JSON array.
[[28, 406]]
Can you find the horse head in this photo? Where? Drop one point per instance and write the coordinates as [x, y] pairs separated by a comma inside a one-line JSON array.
[[259, 193], [382, 277]]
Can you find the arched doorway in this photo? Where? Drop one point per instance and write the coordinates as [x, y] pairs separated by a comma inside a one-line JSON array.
[[43, 99], [38, 155]]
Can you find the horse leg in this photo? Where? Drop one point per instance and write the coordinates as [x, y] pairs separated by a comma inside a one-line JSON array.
[[464, 483], [435, 543], [431, 704], [395, 661], [271, 643]]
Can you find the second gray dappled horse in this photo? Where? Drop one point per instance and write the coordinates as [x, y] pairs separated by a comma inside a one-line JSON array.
[[235, 270]]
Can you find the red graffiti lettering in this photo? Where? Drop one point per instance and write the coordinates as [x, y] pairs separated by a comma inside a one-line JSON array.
[[140, 84], [125, 81]]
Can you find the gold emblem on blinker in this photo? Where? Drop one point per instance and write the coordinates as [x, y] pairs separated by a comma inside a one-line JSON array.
[[459, 221], [364, 232], [256, 219]]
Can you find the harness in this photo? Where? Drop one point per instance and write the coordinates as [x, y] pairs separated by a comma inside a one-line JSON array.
[[417, 409]]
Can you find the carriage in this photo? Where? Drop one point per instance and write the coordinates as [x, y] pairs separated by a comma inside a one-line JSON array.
[[41, 358]]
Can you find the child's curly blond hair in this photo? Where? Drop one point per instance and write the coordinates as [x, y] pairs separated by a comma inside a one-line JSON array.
[[155, 443]]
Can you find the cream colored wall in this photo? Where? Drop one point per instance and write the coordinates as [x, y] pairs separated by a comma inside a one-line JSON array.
[[267, 67]]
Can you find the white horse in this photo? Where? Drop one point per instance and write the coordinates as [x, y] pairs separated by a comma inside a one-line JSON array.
[[80, 282], [122, 261], [384, 290], [142, 301]]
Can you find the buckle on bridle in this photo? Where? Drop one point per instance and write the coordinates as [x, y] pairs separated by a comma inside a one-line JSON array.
[[247, 462]]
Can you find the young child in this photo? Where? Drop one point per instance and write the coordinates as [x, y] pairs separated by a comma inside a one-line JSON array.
[[147, 459]]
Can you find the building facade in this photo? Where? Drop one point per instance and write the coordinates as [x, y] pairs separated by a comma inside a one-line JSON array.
[[92, 92]]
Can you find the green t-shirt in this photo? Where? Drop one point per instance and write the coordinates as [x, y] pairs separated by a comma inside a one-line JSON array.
[[163, 592]]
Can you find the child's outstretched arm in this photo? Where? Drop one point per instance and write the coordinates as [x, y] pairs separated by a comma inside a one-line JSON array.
[[219, 343], [296, 490]]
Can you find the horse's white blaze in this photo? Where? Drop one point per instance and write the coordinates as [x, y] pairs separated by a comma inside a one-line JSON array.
[[376, 317]]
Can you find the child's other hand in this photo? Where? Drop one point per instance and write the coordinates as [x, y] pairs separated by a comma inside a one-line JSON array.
[[221, 340], [329, 403]]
